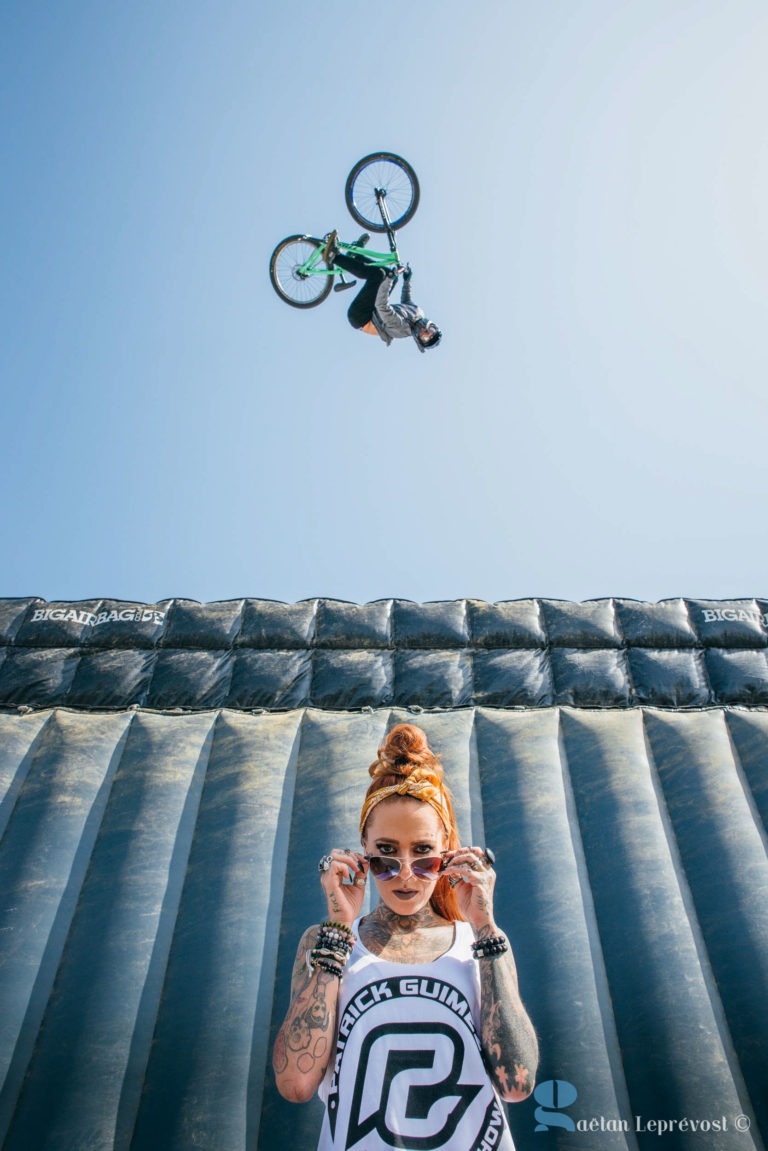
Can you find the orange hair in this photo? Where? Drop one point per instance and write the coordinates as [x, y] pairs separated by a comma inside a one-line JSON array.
[[407, 766]]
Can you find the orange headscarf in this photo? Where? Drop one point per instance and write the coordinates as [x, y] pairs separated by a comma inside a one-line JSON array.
[[423, 789]]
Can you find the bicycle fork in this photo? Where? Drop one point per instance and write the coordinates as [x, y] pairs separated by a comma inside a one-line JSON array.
[[381, 197]]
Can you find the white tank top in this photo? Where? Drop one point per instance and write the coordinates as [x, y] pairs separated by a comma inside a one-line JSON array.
[[408, 1070]]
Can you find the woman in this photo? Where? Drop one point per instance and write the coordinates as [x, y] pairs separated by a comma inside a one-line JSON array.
[[409, 1020]]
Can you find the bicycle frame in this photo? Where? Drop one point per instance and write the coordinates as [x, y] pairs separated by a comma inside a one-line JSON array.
[[314, 266], [390, 259]]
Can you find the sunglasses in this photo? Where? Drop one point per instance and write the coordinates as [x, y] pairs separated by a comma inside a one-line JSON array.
[[386, 867]]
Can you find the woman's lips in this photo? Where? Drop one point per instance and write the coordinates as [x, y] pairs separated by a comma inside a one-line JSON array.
[[406, 894]]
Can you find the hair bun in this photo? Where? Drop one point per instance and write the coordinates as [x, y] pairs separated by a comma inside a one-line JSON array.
[[405, 751]]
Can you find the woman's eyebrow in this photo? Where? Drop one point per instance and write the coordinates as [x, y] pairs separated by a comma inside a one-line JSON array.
[[413, 843], [426, 841]]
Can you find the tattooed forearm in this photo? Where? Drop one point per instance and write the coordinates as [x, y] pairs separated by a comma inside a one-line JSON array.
[[303, 1043], [507, 1035], [305, 1031]]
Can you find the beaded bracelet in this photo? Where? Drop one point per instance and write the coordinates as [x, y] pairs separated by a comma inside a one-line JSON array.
[[326, 965], [320, 959], [321, 952], [328, 953], [333, 925], [331, 940], [335, 937], [334, 944], [337, 931], [490, 947], [332, 949]]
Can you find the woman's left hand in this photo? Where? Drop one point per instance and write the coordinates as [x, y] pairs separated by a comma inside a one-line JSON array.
[[474, 890]]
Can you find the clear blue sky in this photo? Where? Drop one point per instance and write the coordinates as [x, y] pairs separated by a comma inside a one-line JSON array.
[[592, 238]]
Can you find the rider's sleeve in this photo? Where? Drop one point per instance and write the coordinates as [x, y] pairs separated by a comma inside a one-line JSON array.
[[405, 295], [383, 306], [390, 321]]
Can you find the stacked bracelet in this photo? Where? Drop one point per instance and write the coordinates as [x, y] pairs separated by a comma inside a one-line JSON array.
[[336, 935], [326, 965], [332, 949], [490, 947]]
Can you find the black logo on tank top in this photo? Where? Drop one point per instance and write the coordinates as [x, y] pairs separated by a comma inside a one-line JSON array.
[[419, 1102]]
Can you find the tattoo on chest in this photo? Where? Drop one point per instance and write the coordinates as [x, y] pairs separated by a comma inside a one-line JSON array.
[[419, 938]]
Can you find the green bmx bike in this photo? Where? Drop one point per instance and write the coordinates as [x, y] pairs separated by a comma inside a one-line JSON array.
[[382, 194]]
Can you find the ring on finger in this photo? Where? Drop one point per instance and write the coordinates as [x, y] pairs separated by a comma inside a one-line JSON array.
[[325, 863]]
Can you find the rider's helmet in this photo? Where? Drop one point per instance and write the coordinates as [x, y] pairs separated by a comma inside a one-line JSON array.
[[426, 333]]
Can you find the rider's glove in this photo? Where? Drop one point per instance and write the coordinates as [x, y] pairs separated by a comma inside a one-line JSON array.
[[407, 272]]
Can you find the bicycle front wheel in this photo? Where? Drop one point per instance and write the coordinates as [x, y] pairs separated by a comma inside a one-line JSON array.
[[300, 289], [394, 178]]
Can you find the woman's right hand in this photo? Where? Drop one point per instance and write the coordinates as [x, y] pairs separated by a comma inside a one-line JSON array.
[[345, 900]]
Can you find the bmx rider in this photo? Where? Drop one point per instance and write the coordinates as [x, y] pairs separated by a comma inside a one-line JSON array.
[[371, 311]]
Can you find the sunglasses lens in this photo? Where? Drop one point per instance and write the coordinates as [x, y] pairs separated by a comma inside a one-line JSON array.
[[384, 868]]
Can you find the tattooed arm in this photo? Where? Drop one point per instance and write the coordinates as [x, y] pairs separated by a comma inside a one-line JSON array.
[[304, 1042], [509, 1041], [506, 1033]]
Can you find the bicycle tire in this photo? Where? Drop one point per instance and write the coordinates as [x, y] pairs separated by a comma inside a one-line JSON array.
[[298, 291], [396, 177]]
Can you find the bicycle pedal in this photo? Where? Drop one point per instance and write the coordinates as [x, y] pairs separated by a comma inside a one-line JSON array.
[[343, 287]]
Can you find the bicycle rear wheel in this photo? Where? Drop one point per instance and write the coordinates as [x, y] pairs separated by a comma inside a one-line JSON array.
[[299, 289], [395, 178]]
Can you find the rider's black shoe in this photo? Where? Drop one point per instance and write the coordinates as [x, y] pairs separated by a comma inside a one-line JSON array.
[[362, 241], [331, 248]]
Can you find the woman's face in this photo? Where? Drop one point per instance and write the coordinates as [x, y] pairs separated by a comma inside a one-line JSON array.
[[407, 828]]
